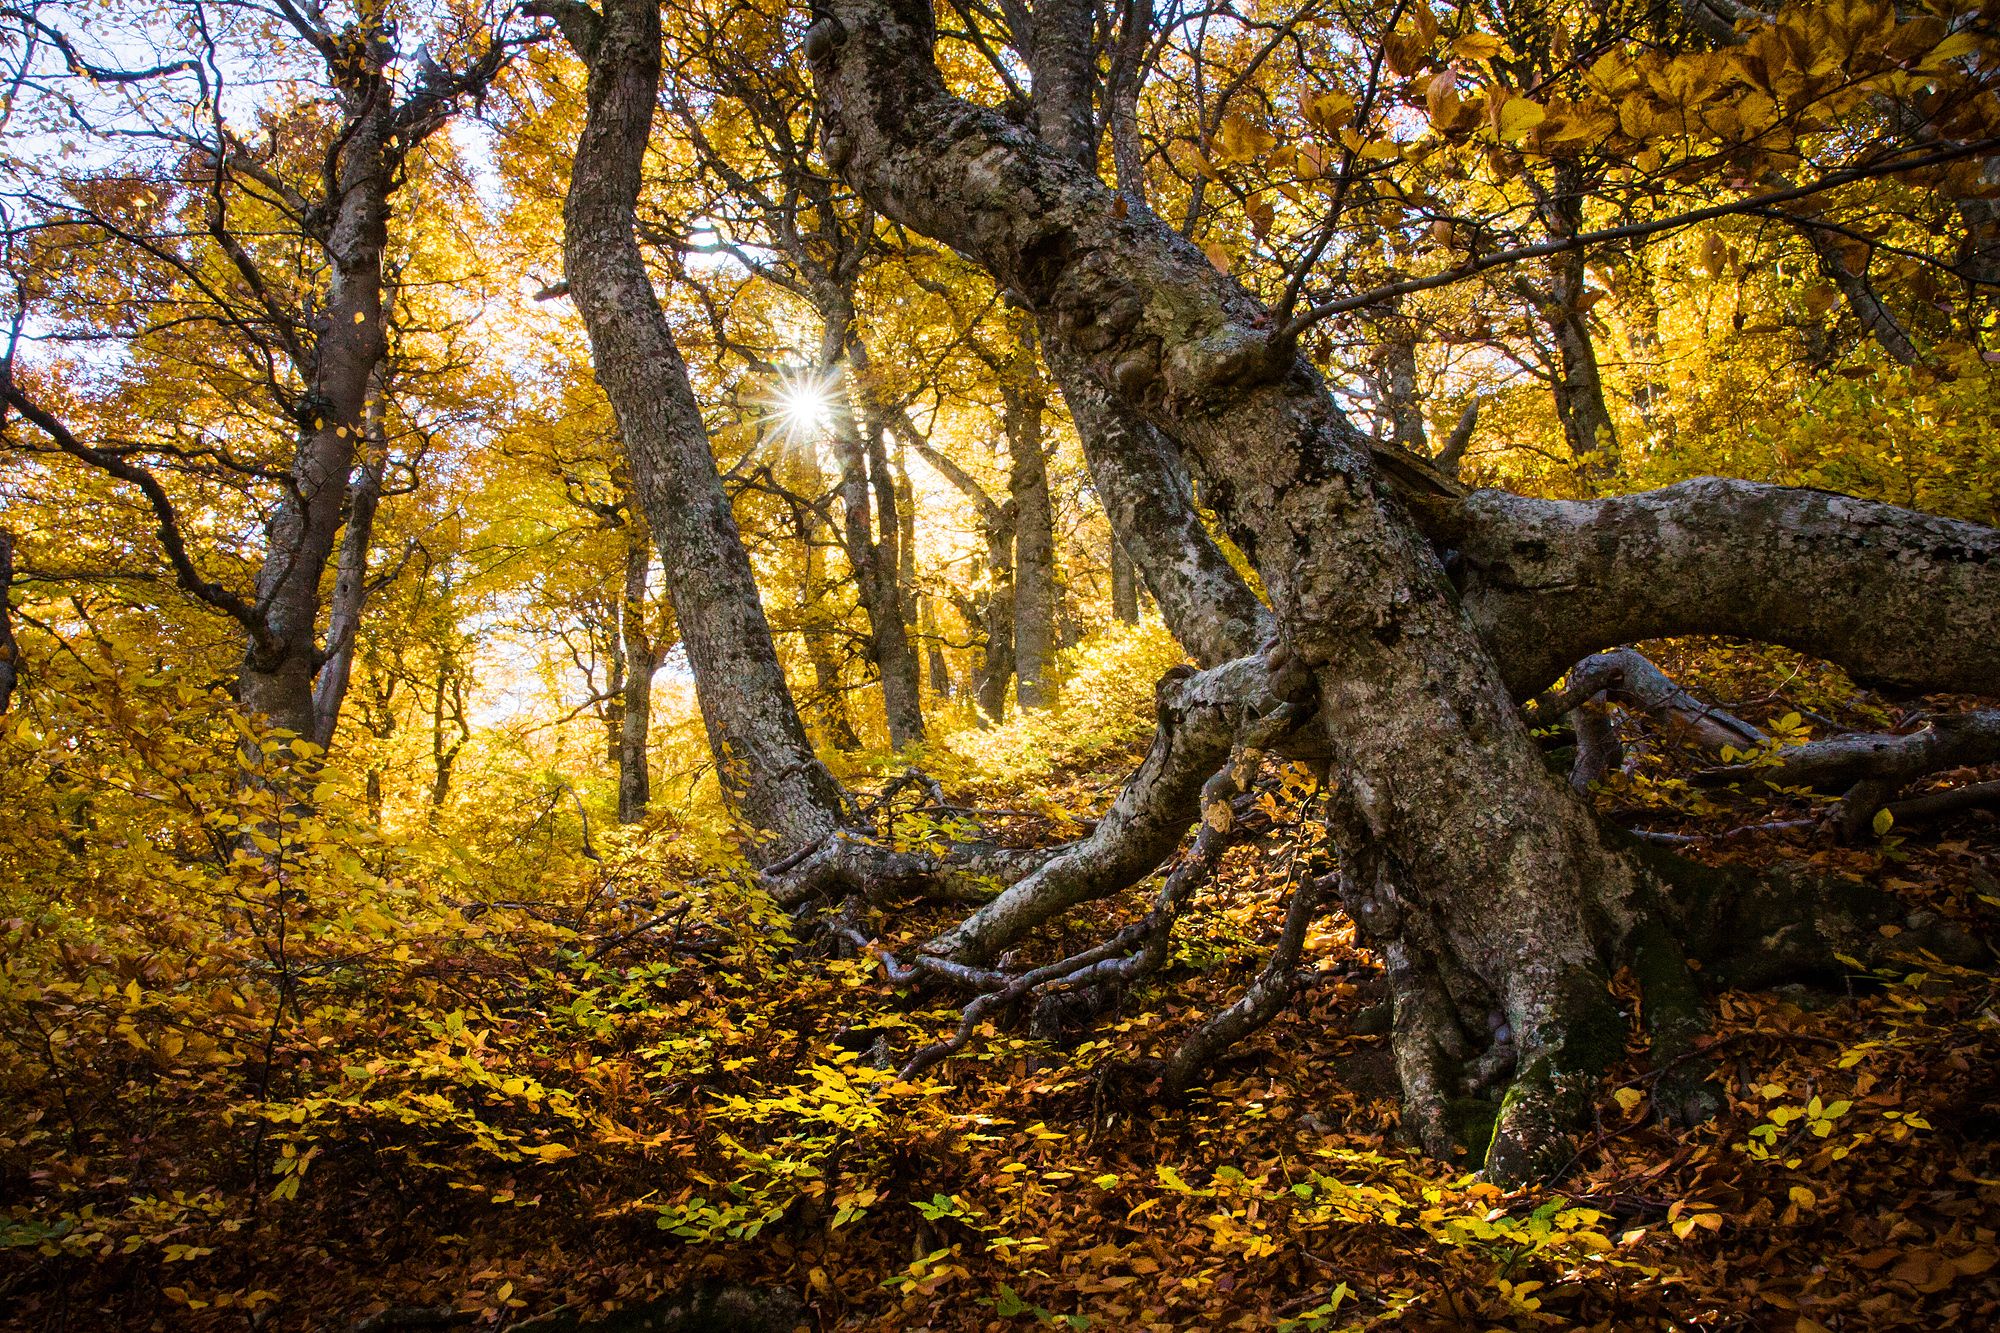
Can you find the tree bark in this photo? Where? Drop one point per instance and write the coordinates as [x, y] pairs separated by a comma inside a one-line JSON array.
[[642, 659], [1124, 585], [1034, 537], [276, 680], [10, 650], [1140, 480], [1397, 402], [1897, 599], [1579, 384], [818, 619], [350, 581], [1864, 302], [768, 772]]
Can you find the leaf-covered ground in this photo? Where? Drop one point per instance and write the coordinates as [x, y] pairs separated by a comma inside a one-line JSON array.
[[390, 1082]]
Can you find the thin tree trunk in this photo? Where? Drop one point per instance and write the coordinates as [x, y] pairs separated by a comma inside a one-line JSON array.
[[870, 531], [1397, 402], [641, 660], [1858, 290], [1142, 485], [997, 620], [449, 732], [1124, 585], [10, 650], [1579, 385], [768, 771], [1034, 539]]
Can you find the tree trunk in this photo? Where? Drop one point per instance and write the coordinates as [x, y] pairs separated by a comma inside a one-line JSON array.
[[449, 732], [641, 660], [1034, 540], [276, 679], [1579, 385], [1139, 478], [1397, 402], [1146, 494], [350, 580], [1124, 585], [768, 772], [10, 651], [997, 620], [1849, 275], [1495, 891], [871, 530], [819, 621]]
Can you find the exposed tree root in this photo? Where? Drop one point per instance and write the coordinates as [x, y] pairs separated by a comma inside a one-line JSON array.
[[1627, 676], [1202, 716], [1136, 951], [1947, 740], [1258, 1005]]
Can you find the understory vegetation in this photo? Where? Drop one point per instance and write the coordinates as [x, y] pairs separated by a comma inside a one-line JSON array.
[[470, 1072]]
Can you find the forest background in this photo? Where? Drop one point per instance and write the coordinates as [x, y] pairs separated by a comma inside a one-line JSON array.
[[410, 915]]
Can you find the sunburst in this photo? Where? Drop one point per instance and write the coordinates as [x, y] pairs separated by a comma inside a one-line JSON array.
[[799, 406]]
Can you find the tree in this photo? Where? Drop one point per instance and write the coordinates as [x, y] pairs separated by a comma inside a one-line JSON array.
[[1484, 881], [765, 763], [280, 251]]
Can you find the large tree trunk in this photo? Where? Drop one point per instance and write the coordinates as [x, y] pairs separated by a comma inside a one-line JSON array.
[[350, 579], [276, 679], [1034, 539], [1140, 480], [1495, 890], [768, 771], [1138, 476]]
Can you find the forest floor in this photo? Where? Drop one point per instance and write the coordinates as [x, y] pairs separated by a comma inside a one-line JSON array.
[[550, 1101]]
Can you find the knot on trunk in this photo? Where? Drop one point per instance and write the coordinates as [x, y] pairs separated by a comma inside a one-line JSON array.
[[824, 38]]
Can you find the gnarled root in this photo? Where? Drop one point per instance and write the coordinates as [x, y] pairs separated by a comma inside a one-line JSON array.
[[1133, 952], [1258, 1005], [1202, 716]]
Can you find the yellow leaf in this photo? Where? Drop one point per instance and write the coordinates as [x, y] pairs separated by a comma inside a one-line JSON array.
[[1217, 255], [1477, 46], [1628, 1099], [1329, 113], [1951, 48], [1241, 141], [1884, 821], [1518, 116], [1804, 1197]]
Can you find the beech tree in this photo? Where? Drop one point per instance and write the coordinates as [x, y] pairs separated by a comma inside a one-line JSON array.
[[255, 257], [1485, 883]]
